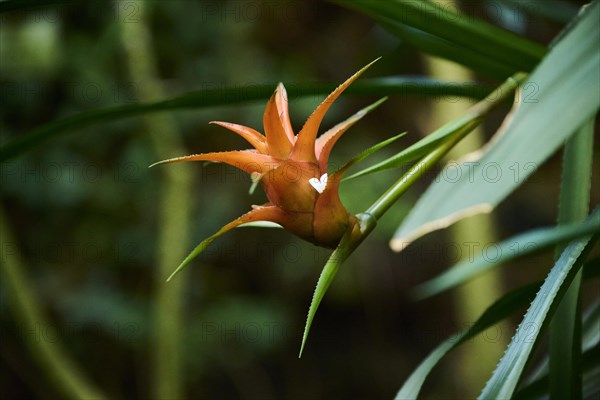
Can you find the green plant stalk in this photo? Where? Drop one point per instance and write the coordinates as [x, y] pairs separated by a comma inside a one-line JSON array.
[[174, 214], [478, 359], [565, 327], [379, 207], [25, 305], [473, 118], [393, 85]]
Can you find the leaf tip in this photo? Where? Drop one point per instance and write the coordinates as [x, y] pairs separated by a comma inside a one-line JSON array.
[[173, 274], [301, 349]]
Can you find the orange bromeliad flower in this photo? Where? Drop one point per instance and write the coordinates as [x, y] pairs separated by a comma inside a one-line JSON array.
[[292, 169]]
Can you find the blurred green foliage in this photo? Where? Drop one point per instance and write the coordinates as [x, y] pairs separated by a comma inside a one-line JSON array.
[[83, 207]]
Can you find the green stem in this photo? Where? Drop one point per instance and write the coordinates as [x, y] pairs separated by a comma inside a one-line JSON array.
[[476, 361], [565, 329], [386, 200], [25, 305], [174, 210], [472, 119]]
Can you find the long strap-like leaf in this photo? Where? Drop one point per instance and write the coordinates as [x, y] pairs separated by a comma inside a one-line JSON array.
[[235, 95], [508, 372]]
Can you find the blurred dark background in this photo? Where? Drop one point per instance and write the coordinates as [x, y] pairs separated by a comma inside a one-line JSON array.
[[83, 207]]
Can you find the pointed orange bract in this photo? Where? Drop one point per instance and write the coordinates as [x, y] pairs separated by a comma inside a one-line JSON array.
[[283, 109], [324, 144], [304, 149], [248, 161], [271, 213], [277, 125], [256, 139]]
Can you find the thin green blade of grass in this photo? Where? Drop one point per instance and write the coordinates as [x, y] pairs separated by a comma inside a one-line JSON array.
[[510, 249]]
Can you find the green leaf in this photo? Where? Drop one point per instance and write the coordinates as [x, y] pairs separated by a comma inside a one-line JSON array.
[[565, 328], [510, 249], [327, 274], [590, 331], [538, 389], [424, 146], [257, 214], [194, 253], [590, 328], [560, 95], [505, 378], [451, 131], [451, 51], [366, 153], [590, 388], [501, 309], [442, 21], [350, 241], [217, 97]]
